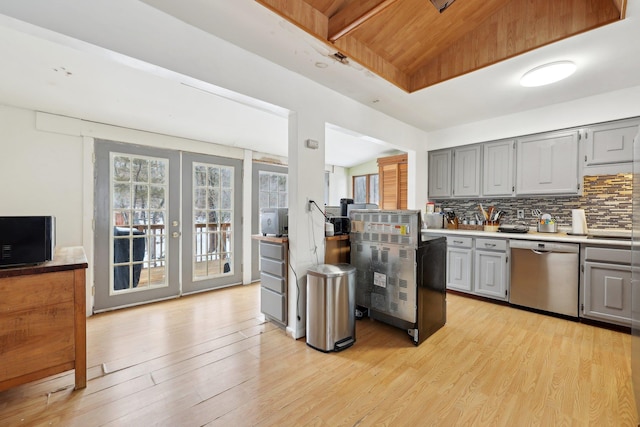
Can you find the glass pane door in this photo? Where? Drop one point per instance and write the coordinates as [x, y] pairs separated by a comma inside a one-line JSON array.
[[212, 203], [137, 192], [139, 208], [212, 217]]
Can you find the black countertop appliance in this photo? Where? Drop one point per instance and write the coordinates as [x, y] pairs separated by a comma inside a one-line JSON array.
[[343, 206]]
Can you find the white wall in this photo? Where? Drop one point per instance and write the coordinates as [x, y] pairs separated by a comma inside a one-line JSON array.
[[46, 167], [600, 108], [338, 184], [364, 168], [41, 174], [48, 157]]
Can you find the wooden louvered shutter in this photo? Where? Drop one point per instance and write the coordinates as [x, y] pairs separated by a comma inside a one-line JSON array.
[[393, 182]]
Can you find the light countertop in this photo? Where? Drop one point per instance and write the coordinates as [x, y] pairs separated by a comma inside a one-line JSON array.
[[272, 239], [561, 236]]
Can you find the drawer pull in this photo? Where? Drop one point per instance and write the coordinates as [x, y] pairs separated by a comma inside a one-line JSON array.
[[489, 245], [458, 242]]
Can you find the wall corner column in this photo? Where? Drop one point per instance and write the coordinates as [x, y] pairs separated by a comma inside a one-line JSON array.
[[306, 227]]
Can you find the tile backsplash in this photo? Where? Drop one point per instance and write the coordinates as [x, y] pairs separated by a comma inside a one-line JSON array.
[[606, 199]]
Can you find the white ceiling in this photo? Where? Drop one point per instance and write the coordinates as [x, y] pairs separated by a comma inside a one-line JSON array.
[[45, 71]]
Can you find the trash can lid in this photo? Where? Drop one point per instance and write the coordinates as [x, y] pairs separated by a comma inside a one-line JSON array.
[[331, 270]]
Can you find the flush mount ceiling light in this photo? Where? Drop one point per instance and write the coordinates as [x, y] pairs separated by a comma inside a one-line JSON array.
[[548, 73]]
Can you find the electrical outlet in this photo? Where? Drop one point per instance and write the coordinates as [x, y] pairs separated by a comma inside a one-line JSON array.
[[520, 213]]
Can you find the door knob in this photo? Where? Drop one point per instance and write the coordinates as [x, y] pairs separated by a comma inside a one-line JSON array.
[[175, 234]]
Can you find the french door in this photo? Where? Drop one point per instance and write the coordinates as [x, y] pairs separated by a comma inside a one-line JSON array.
[[211, 208], [165, 224]]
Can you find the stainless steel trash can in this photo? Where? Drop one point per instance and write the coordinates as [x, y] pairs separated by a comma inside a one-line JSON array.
[[331, 304]]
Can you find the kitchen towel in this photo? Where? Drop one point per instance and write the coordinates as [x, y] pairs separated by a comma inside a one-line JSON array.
[[578, 221]]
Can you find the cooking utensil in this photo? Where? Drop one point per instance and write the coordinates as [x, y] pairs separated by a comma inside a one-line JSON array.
[[484, 213]]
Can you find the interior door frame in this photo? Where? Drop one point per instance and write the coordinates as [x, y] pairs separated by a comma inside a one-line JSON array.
[[255, 211], [103, 227]]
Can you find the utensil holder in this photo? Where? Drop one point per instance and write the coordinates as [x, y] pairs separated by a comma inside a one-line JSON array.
[[470, 227], [551, 227], [491, 225]]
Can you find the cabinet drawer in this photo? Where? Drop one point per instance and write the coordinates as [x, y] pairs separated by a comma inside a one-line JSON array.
[[275, 283], [35, 291], [35, 339], [277, 268], [460, 242], [272, 250], [491, 244], [618, 256], [273, 304]]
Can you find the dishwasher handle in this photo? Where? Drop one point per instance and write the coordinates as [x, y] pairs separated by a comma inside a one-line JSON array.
[[544, 246], [535, 251]]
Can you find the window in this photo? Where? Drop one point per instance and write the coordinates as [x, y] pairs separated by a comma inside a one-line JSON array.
[[273, 190], [327, 182], [365, 189]]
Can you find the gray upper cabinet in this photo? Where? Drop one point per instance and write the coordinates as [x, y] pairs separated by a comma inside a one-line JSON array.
[[466, 171], [610, 142], [498, 168], [551, 163], [548, 164], [439, 174]]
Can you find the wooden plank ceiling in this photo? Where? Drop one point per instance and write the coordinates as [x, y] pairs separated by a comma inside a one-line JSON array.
[[412, 45]]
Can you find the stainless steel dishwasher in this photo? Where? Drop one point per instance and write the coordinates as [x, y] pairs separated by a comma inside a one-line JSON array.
[[545, 276]]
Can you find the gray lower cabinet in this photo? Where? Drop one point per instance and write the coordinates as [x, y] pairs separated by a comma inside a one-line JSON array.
[[491, 268], [607, 285], [478, 266], [273, 281], [460, 263]]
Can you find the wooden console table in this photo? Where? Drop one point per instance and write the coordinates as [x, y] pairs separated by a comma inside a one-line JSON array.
[[43, 319]]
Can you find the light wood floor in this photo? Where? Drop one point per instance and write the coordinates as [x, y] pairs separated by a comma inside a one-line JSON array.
[[207, 359]]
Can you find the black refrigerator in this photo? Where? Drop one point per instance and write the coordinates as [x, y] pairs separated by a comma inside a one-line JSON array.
[[400, 276]]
